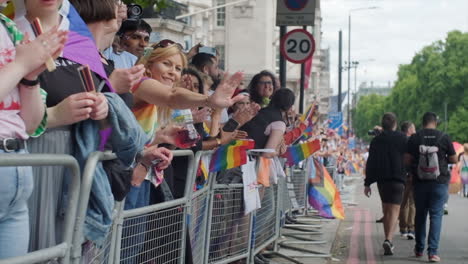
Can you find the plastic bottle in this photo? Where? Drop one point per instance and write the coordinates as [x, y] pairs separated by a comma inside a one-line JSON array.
[[189, 136]]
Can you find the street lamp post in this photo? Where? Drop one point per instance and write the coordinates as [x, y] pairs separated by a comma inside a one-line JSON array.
[[349, 53], [355, 64]]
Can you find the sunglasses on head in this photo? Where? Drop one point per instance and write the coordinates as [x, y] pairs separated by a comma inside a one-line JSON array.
[[166, 43]]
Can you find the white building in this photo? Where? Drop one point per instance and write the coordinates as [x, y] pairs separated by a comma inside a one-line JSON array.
[[247, 38]]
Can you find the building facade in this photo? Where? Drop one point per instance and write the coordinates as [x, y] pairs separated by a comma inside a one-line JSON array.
[[246, 36]]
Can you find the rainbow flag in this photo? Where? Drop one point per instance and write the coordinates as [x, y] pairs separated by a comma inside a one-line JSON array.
[[231, 155], [311, 116], [323, 195], [296, 153], [202, 173]]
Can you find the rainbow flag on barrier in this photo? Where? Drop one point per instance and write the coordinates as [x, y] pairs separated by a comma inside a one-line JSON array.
[[231, 155], [296, 153], [323, 195]]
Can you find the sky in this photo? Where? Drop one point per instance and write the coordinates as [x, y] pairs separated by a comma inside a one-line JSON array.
[[383, 38]]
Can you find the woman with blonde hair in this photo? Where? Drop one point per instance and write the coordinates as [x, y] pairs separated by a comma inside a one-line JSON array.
[[156, 95], [463, 165]]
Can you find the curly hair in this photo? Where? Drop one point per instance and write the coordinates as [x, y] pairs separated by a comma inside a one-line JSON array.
[[253, 85]]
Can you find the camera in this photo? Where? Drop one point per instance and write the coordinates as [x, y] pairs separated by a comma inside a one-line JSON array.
[[373, 132], [134, 12]]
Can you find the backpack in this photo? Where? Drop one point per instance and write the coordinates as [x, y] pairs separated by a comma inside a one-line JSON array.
[[428, 164]]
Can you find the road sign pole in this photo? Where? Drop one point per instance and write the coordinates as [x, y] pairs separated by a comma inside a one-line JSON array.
[[282, 66], [340, 67], [301, 87]]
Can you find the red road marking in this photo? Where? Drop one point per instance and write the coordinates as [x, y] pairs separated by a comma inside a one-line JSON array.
[[353, 257], [368, 239]]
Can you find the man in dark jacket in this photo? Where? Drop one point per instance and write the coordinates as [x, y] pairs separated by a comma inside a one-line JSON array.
[[385, 166], [430, 195]]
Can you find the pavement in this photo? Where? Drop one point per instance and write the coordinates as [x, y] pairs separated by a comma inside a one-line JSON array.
[[358, 239], [311, 240]]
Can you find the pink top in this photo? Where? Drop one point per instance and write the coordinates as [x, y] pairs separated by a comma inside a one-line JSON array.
[[11, 123], [277, 125]]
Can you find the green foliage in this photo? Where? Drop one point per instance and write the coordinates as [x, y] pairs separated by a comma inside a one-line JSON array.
[[458, 124], [437, 76], [367, 114]]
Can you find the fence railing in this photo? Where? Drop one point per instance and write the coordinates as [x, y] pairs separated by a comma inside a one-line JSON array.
[[208, 221], [61, 251]]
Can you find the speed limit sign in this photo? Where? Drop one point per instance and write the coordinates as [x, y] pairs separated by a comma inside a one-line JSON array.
[[297, 46]]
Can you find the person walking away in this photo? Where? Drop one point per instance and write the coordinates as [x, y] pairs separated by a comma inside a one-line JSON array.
[[463, 165], [385, 166], [407, 209], [429, 153]]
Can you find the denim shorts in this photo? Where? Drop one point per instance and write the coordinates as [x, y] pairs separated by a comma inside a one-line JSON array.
[[15, 188]]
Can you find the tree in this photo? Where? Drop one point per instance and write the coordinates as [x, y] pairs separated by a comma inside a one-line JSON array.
[[437, 76], [368, 114], [458, 125]]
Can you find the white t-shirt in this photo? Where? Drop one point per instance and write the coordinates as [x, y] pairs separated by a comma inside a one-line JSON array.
[[11, 123]]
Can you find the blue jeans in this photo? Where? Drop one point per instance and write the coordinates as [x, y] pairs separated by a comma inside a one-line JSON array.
[[15, 188], [429, 197]]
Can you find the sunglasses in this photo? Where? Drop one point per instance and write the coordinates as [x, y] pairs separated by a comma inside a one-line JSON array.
[[265, 83], [166, 43]]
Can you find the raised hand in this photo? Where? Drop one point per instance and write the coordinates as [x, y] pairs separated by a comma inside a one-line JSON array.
[[244, 115], [222, 97], [33, 54], [201, 115], [123, 80]]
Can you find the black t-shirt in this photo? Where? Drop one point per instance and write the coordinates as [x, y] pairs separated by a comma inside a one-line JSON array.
[[64, 81], [432, 137], [255, 128], [385, 162]]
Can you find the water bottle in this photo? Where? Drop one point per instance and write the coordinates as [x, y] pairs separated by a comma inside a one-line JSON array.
[[189, 136]]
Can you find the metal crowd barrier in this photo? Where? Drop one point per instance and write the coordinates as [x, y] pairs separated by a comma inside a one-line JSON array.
[[60, 252], [81, 251], [156, 233], [209, 218], [199, 212]]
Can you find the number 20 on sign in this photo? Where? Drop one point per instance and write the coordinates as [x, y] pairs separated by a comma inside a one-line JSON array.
[[297, 46]]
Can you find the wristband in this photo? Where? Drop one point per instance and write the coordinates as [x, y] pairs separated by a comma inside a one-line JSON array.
[[207, 101], [27, 82]]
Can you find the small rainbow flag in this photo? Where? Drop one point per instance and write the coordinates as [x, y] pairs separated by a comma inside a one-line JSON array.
[[311, 116], [299, 152], [202, 172], [323, 195], [231, 155]]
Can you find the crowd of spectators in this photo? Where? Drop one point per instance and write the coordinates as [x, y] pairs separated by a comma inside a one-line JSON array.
[[154, 97]]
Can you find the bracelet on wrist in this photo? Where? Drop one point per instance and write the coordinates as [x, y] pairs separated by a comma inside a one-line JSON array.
[[30, 83], [207, 101]]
